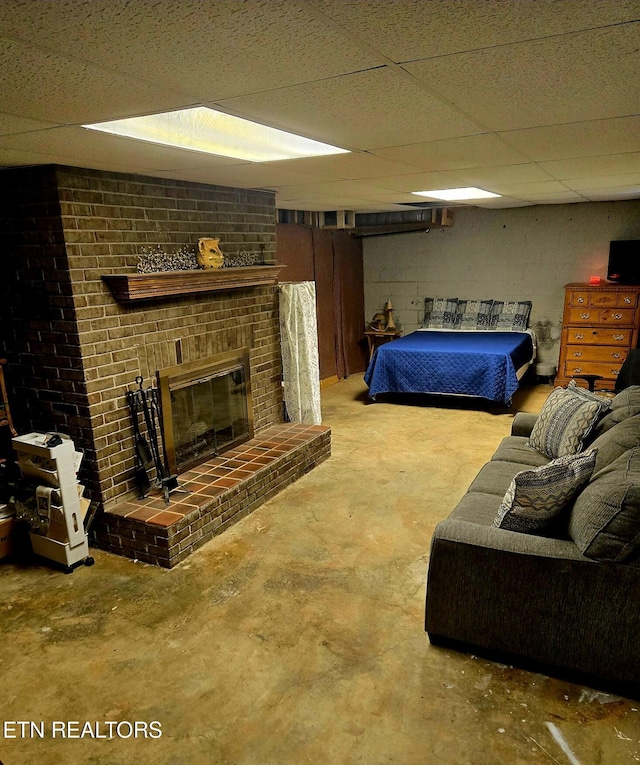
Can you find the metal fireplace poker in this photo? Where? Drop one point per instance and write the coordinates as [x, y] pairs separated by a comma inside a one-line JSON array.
[[145, 402]]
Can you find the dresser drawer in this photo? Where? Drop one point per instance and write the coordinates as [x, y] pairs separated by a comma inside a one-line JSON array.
[[578, 367], [598, 336], [597, 298], [609, 354], [601, 316]]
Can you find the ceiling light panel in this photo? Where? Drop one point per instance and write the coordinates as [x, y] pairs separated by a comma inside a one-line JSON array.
[[212, 132], [457, 195]]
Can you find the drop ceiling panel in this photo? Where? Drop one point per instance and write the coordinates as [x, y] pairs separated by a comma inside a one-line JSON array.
[[577, 139], [347, 166], [614, 194], [10, 124], [503, 202], [557, 197], [43, 85], [524, 189], [80, 145], [262, 175], [333, 203], [414, 29], [518, 95], [483, 150], [415, 182], [624, 180], [488, 177], [359, 111], [207, 50], [612, 164], [327, 188], [584, 76]]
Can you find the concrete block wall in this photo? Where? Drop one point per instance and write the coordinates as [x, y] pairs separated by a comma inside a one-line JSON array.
[[524, 253], [71, 226]]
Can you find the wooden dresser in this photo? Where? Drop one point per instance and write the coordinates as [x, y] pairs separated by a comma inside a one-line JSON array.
[[599, 327]]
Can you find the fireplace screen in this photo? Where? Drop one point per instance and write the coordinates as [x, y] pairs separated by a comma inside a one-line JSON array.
[[206, 408]]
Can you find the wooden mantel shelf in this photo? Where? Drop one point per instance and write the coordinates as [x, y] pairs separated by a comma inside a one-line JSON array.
[[128, 287]]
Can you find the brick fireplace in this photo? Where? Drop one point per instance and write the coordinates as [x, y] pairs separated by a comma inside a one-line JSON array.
[[73, 348]]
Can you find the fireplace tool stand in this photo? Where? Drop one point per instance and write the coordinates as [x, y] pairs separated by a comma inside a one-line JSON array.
[[145, 402]]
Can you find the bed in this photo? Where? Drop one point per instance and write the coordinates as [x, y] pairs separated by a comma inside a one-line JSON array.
[[483, 358]]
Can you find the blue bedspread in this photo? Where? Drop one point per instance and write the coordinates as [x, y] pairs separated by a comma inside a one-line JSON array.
[[468, 363]]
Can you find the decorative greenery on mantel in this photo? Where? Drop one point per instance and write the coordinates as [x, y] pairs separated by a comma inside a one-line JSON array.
[[126, 288]]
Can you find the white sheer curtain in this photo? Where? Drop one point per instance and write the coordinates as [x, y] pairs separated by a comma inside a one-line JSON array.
[[299, 339]]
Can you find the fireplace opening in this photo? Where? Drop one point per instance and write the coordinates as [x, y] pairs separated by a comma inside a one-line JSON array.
[[205, 408]]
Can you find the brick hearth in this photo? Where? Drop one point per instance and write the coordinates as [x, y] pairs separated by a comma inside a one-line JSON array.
[[221, 492]]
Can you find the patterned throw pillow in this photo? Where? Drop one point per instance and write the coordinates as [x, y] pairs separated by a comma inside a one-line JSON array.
[[474, 314], [440, 313], [508, 316], [538, 496], [565, 422]]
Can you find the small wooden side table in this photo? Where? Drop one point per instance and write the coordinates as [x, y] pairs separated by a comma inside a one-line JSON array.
[[376, 337], [5, 412]]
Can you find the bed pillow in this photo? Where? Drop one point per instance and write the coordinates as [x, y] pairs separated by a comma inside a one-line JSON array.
[[565, 422], [605, 519], [440, 313], [537, 497], [474, 314], [508, 316]]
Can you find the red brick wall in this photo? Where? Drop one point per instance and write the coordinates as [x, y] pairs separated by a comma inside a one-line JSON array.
[[71, 364]]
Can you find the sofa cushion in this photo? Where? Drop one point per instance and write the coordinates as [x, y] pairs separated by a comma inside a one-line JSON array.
[[537, 496], [565, 422], [624, 404], [517, 449], [615, 441], [605, 519], [440, 313], [476, 507], [495, 477]]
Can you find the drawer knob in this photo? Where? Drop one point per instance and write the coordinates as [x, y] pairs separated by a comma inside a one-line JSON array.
[[579, 336], [627, 300], [616, 355], [584, 315], [580, 300], [615, 372], [577, 354], [617, 315], [577, 371], [618, 337]]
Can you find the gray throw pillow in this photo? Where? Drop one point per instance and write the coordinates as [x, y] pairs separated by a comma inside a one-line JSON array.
[[615, 441], [605, 518], [538, 496], [565, 422]]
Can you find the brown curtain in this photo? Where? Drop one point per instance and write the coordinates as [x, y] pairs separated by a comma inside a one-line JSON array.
[[333, 260]]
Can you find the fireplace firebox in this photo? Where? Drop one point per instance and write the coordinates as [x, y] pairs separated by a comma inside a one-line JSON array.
[[206, 408]]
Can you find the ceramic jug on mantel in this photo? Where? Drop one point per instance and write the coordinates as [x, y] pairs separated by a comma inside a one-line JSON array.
[[209, 253]]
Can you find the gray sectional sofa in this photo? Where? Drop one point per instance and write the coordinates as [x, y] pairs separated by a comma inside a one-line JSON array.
[[561, 593]]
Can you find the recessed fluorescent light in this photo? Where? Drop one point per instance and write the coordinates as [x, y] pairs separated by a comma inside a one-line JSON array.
[[457, 195], [213, 132]]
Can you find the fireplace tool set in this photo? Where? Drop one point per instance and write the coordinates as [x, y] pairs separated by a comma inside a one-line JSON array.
[[144, 403]]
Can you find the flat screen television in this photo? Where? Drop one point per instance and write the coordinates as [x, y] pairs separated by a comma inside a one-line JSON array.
[[624, 261]]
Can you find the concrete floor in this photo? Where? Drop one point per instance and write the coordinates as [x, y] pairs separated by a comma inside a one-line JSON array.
[[297, 636]]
